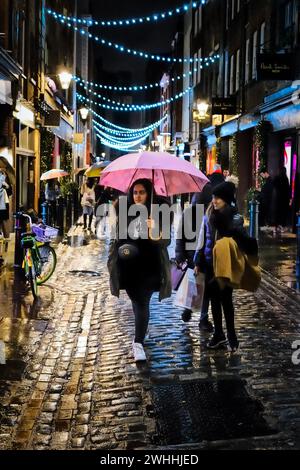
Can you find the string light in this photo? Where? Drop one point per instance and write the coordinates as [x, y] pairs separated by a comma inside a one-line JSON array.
[[121, 143], [144, 55], [118, 145], [134, 88], [126, 129], [155, 17], [146, 106], [130, 108], [120, 139], [113, 132]]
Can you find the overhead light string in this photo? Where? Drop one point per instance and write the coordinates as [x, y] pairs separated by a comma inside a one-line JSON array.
[[152, 18], [86, 83], [144, 55], [131, 108]]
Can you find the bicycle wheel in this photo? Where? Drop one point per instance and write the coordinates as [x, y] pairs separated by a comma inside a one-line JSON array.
[[47, 263], [33, 281]]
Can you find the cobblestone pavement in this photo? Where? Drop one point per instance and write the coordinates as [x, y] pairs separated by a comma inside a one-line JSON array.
[[70, 381]]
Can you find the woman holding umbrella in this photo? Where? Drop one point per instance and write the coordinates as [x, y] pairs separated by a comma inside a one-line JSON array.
[[145, 268], [140, 266]]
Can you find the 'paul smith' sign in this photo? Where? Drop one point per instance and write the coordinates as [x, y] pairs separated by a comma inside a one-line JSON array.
[[224, 106], [275, 66]]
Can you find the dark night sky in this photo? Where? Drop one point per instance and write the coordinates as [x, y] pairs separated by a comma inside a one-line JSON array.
[[146, 37]]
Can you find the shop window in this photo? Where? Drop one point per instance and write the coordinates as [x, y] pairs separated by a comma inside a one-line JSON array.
[[199, 65], [232, 78], [226, 75], [262, 37], [196, 23], [227, 13], [288, 15], [200, 18], [23, 142], [195, 69], [237, 73], [247, 61], [254, 49]]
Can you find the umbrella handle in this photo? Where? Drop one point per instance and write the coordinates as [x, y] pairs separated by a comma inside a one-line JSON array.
[[155, 239]]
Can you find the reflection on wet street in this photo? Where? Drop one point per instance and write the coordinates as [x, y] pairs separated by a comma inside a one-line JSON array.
[[69, 381], [278, 256], [16, 299]]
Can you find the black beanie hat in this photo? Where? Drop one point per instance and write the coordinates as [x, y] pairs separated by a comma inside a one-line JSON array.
[[226, 192]]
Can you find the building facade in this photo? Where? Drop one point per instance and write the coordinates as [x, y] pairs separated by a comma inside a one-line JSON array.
[[38, 115], [252, 89]]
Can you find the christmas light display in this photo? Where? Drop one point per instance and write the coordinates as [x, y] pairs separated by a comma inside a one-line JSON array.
[[130, 21], [86, 84], [144, 55], [130, 108]]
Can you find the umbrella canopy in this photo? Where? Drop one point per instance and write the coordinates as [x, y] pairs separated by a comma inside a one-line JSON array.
[[54, 173], [79, 171], [170, 175], [96, 169]]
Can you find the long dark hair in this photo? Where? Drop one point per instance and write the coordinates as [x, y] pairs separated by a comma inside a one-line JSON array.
[[148, 187]]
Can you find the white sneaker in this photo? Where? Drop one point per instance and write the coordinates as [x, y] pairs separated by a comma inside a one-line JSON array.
[[138, 352]]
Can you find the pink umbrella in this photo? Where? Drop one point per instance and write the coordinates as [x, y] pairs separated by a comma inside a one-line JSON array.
[[169, 174]]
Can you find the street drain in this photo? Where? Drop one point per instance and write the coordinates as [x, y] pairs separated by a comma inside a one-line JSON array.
[[84, 273], [190, 412]]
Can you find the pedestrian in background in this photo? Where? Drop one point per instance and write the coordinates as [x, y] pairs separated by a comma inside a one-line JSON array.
[[226, 173], [182, 254], [217, 176], [265, 199], [5, 192], [88, 203], [52, 192], [221, 220], [281, 201], [140, 266]]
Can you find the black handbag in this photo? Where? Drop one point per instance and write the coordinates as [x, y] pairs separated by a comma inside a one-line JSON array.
[[128, 251]]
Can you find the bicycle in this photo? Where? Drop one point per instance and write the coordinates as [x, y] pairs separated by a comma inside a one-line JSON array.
[[40, 259]]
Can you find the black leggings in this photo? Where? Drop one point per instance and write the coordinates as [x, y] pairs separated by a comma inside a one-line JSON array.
[[85, 220], [222, 298], [141, 308]]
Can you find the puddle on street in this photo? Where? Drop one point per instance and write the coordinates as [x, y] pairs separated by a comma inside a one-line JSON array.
[[16, 300], [78, 240]]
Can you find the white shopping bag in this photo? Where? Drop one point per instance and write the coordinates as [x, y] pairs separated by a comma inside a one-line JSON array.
[[191, 291]]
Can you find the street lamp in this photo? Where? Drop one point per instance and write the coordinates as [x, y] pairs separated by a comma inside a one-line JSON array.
[[65, 79], [202, 110], [84, 113], [200, 115]]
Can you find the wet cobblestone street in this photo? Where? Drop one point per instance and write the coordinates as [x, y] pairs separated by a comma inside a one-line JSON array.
[[70, 381]]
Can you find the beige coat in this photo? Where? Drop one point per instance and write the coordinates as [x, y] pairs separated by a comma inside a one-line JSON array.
[[233, 267]]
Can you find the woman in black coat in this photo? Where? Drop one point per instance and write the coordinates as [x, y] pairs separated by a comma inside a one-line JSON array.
[[143, 267]]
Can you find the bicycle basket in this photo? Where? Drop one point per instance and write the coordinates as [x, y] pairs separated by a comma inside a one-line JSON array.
[[39, 231], [51, 232]]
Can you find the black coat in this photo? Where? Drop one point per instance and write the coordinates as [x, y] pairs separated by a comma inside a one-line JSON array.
[[151, 268], [215, 179], [280, 200], [265, 201]]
